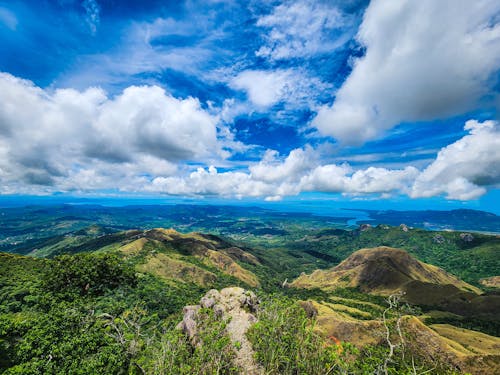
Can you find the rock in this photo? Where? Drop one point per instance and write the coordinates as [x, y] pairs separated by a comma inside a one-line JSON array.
[[190, 311], [188, 324], [232, 305], [252, 319], [438, 238], [404, 227], [466, 237], [209, 299], [364, 227], [309, 308], [207, 302], [219, 311]]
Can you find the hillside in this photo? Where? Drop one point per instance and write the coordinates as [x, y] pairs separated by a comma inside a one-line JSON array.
[[382, 270], [288, 242], [166, 253], [385, 271], [393, 272]]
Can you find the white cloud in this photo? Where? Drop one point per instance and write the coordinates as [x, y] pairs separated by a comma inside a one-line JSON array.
[[463, 169], [211, 182], [264, 88], [293, 176], [68, 138], [343, 179], [270, 169], [424, 60], [143, 140], [301, 29], [142, 50]]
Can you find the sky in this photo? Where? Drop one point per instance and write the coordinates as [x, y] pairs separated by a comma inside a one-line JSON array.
[[346, 101]]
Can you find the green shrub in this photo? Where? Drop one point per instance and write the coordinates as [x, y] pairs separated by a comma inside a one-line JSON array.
[[174, 354], [285, 342], [69, 276]]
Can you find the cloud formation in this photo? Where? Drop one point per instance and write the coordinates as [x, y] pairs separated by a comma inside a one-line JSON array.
[[66, 135], [265, 88], [144, 139], [461, 171], [424, 60], [297, 29], [196, 92]]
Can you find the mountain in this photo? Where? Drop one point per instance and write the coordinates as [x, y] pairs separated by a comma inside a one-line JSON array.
[[188, 257], [383, 270]]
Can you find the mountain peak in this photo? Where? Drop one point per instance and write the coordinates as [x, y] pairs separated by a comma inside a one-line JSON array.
[[382, 270]]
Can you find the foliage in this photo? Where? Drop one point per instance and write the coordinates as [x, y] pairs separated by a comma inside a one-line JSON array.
[[285, 341], [86, 274], [50, 322], [173, 354]]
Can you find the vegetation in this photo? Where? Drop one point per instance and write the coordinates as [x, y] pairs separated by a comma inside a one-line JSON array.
[[286, 342], [101, 299]]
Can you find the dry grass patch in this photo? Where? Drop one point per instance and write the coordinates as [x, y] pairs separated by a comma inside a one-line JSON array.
[[168, 268]]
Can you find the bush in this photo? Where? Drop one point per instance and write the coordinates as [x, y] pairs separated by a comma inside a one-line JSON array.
[[69, 276], [285, 342], [174, 354]]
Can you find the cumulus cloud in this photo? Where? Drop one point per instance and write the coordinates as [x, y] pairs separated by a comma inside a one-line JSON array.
[[342, 179], [463, 169], [64, 137], [424, 60], [294, 175], [271, 169], [144, 140], [210, 182], [299, 29]]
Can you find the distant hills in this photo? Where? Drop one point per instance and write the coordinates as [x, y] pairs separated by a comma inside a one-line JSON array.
[[462, 219]]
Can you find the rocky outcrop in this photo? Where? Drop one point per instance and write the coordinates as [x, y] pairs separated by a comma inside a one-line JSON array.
[[466, 237], [364, 227], [439, 239], [236, 306]]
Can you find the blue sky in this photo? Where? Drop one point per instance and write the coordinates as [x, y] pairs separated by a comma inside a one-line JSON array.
[[268, 100]]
